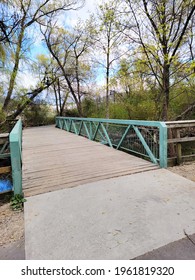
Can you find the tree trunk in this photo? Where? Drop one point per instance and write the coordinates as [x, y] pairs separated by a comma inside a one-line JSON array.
[[59, 95], [56, 99], [107, 84], [22, 106], [79, 108], [63, 104], [166, 91], [79, 104], [15, 69]]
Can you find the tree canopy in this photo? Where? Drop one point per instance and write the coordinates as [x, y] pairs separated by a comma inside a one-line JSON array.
[[126, 59]]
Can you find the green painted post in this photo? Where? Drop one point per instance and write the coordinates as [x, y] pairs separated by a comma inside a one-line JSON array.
[[163, 145], [15, 139]]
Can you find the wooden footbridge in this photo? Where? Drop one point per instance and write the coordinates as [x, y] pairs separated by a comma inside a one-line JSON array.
[[54, 159], [50, 158]]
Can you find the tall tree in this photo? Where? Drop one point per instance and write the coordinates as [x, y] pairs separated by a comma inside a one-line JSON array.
[[32, 12], [46, 76], [109, 38], [161, 29], [61, 93], [69, 50]]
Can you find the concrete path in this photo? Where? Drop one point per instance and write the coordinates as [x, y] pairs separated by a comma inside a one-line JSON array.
[[119, 218]]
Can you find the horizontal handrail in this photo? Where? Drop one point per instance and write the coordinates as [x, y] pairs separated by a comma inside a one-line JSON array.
[[116, 121], [15, 139], [145, 138]]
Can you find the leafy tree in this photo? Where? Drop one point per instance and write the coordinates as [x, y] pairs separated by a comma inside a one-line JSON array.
[[69, 50], [89, 107], [38, 113], [109, 38], [31, 12], [61, 93], [161, 29]]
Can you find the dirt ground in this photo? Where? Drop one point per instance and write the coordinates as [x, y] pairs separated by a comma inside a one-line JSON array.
[[186, 170], [11, 225], [12, 222], [11, 232]]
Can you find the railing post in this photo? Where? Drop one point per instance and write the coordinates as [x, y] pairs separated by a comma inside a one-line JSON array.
[[15, 138], [178, 148], [163, 145]]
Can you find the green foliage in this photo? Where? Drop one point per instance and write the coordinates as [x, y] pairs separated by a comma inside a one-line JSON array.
[[181, 98], [160, 64], [137, 106], [38, 113], [118, 111], [72, 112], [89, 107], [17, 202]]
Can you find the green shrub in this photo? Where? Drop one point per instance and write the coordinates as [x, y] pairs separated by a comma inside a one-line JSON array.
[[17, 202]]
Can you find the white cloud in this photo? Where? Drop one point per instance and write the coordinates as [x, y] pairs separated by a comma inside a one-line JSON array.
[[27, 80], [83, 13]]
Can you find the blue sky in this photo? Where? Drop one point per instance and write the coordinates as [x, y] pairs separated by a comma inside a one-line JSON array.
[[70, 18]]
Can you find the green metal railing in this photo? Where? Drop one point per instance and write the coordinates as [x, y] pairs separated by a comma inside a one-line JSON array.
[[147, 139], [15, 139]]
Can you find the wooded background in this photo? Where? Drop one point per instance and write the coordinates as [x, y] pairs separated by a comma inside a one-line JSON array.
[[128, 59]]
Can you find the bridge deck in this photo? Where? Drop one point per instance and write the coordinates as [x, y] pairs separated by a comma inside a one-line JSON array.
[[54, 159]]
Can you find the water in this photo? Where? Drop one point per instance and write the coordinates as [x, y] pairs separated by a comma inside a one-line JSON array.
[[5, 186]]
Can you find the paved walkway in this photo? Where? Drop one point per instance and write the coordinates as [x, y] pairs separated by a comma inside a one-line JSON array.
[[119, 218]]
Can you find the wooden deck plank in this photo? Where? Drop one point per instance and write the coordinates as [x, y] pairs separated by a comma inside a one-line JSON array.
[[69, 169], [55, 159], [43, 188], [67, 177]]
